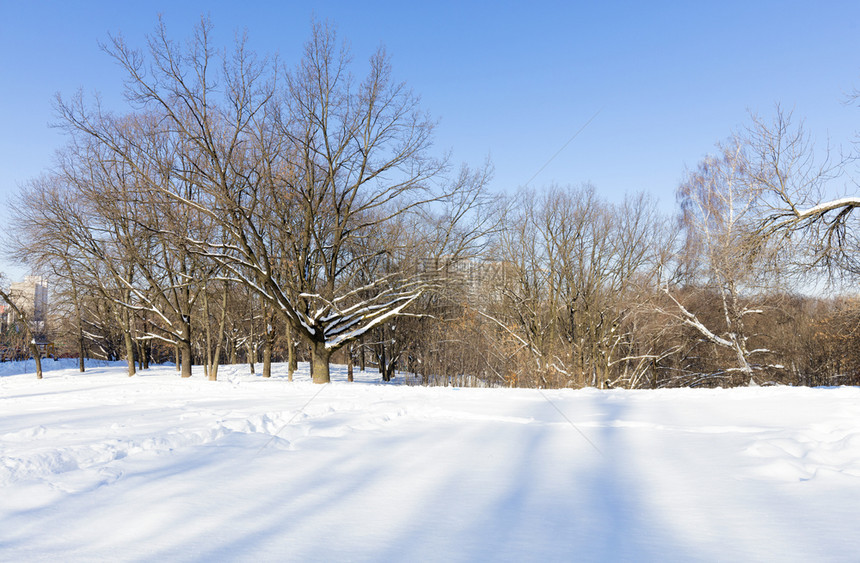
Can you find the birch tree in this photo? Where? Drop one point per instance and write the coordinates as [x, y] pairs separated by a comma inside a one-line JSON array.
[[720, 255]]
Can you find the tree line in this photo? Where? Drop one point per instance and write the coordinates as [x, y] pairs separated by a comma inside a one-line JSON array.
[[245, 211]]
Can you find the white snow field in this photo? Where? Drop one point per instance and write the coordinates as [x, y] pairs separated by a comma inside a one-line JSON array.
[[103, 467]]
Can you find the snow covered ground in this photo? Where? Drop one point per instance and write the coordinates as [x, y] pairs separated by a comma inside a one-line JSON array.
[[103, 467]]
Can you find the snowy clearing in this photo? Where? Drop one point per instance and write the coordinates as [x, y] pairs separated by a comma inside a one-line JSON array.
[[100, 466]]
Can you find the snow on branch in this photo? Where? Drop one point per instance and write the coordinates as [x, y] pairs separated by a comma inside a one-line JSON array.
[[691, 320], [826, 207], [346, 337]]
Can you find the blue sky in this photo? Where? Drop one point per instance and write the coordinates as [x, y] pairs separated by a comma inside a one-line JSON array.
[[509, 80]]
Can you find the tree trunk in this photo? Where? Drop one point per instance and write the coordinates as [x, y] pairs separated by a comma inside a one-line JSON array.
[[81, 350], [208, 334], [252, 348], [292, 357], [78, 318], [140, 354], [381, 360], [127, 326], [37, 356], [185, 353], [147, 352], [349, 363], [320, 359], [267, 357], [129, 352], [267, 343], [741, 353], [219, 341], [389, 370], [185, 346]]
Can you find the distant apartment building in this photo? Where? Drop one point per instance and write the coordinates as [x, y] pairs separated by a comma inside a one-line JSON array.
[[483, 281], [31, 297]]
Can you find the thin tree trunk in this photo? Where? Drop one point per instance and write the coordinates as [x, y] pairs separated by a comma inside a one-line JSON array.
[[232, 359], [129, 342], [292, 359], [185, 346], [140, 354], [37, 356], [208, 334], [146, 350], [381, 358], [28, 334], [81, 350], [78, 318], [252, 348], [267, 343], [213, 369]]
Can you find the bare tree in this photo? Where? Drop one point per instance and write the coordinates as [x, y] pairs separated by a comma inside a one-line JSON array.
[[794, 193], [296, 178], [721, 256], [42, 240], [579, 272], [24, 321]]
